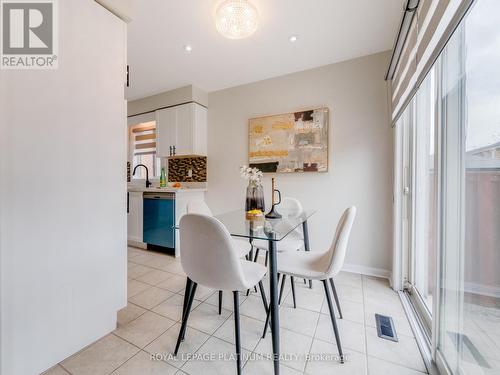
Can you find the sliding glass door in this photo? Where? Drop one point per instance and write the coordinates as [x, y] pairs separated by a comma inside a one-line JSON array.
[[469, 326], [422, 268], [451, 198]]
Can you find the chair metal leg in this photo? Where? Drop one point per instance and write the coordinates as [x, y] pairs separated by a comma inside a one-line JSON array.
[[185, 318], [337, 302], [187, 291], [220, 302], [263, 294], [268, 315], [334, 321], [292, 280], [250, 258], [237, 337], [255, 258], [256, 255], [305, 232], [267, 258], [282, 289]]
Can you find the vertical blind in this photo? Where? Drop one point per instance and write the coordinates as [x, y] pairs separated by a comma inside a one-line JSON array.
[[432, 25]]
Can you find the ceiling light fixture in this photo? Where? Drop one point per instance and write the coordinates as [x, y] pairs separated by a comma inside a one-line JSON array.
[[294, 38], [188, 48], [236, 19]]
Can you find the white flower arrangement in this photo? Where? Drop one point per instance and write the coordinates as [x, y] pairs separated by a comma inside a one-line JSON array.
[[253, 175]]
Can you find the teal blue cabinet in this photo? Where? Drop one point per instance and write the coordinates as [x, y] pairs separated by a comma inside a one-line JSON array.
[[159, 219]]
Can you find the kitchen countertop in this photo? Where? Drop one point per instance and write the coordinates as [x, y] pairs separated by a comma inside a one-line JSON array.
[[165, 190]]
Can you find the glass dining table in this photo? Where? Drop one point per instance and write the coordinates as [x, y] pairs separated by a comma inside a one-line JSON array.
[[273, 231]]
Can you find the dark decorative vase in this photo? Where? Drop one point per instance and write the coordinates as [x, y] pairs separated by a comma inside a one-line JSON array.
[[255, 197]]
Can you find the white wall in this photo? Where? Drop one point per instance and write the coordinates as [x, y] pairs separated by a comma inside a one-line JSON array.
[[360, 152], [63, 194]]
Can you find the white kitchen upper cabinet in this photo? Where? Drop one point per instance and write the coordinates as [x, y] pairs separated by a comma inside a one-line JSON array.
[[200, 126], [182, 130], [165, 131]]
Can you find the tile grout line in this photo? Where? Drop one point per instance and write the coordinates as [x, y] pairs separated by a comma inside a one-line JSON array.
[[314, 335], [64, 368], [402, 334], [209, 337]]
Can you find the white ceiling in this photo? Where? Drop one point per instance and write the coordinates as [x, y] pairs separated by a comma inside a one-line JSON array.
[[329, 31]]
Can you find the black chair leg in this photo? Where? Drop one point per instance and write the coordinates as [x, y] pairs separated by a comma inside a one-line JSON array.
[[220, 302], [337, 302], [292, 280], [187, 291], [263, 294], [334, 321], [268, 315], [267, 258], [237, 337], [255, 261], [282, 289], [256, 255], [250, 258], [186, 317]]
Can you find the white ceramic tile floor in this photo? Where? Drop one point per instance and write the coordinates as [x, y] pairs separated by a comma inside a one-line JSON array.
[[149, 325]]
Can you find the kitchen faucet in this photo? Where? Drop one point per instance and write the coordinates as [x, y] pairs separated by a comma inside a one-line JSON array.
[[148, 183]]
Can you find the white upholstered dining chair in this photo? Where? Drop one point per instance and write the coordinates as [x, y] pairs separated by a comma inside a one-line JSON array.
[[322, 266], [198, 206], [209, 258], [241, 246]]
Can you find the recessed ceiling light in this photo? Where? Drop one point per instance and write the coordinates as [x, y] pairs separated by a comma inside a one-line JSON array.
[[188, 48], [294, 38]]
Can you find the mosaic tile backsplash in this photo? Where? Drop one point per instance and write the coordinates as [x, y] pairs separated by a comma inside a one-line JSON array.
[[178, 169]]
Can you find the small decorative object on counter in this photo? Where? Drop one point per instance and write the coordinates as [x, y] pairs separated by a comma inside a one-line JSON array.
[[273, 214], [255, 192], [163, 179], [254, 215]]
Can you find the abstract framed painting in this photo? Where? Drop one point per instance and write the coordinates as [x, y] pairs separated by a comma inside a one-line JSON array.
[[290, 142]]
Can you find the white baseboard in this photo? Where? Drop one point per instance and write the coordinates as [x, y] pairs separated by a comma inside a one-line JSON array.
[[369, 271], [484, 290]]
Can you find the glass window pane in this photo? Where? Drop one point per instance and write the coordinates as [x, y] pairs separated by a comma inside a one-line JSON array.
[[424, 268], [469, 336]]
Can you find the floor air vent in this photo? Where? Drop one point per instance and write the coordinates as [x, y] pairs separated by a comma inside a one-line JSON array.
[[385, 327]]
